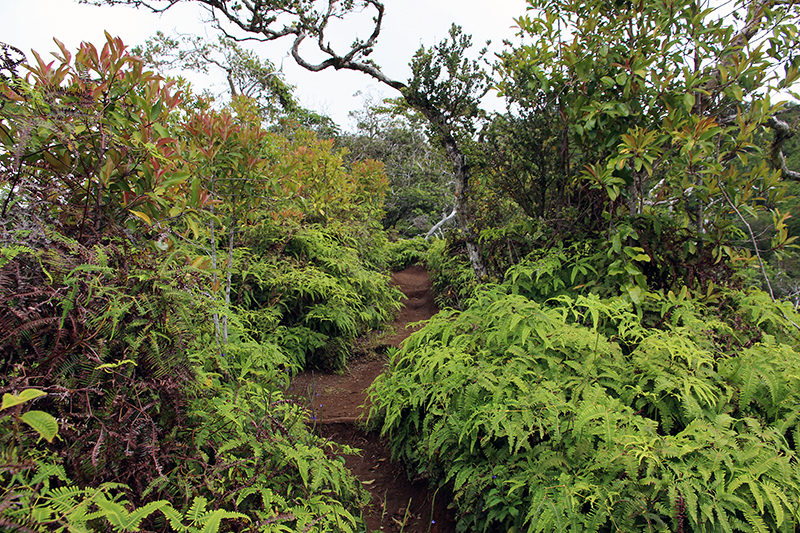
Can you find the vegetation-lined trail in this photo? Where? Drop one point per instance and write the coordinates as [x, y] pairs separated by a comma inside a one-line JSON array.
[[619, 250], [337, 402]]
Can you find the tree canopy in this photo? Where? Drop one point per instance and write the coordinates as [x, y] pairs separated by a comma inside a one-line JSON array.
[[632, 84]]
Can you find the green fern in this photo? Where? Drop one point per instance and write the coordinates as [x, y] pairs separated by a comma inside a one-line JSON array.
[[578, 412], [201, 520], [8, 253]]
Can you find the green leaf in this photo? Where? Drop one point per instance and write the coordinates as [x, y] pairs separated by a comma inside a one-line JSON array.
[[115, 513], [11, 400], [197, 510], [737, 92], [43, 423], [141, 215], [161, 130], [141, 513], [213, 521], [175, 518], [635, 293], [110, 366], [588, 413]]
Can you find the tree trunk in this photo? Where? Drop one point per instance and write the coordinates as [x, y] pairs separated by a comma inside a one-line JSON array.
[[439, 224], [214, 276], [461, 171]]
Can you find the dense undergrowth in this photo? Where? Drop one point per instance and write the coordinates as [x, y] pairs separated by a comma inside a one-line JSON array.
[[553, 409], [167, 263], [159, 285], [315, 295], [152, 416]]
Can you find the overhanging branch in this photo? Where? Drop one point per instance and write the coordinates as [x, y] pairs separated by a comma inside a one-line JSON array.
[[342, 62]]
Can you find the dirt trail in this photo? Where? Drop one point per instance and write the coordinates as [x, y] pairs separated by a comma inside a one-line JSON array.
[[336, 401]]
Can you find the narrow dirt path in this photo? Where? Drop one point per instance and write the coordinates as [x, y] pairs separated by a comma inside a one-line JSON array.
[[337, 403]]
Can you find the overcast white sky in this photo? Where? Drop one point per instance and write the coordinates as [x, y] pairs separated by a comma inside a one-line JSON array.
[[32, 24]]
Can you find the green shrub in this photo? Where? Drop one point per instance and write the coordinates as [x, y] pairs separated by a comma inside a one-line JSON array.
[[161, 398], [571, 415], [314, 295], [255, 454], [451, 274], [109, 330], [406, 252], [153, 414]]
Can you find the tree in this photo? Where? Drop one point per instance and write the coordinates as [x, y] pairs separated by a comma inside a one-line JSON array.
[[445, 89], [229, 150], [85, 143], [622, 73], [529, 149], [246, 74], [658, 103], [419, 180], [252, 175]]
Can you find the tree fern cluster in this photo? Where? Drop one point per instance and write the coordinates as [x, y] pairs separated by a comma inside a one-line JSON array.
[[582, 413]]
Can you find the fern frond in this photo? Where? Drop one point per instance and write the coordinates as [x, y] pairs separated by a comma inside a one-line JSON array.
[[13, 526], [755, 521]]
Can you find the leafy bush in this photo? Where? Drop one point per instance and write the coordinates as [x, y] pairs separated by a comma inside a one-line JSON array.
[[254, 453], [48, 501], [164, 422], [106, 332], [451, 274], [85, 140], [242, 474], [406, 252], [150, 410], [573, 415], [559, 271], [318, 292]]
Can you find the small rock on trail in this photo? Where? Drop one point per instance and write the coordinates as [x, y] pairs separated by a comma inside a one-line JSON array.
[[336, 401]]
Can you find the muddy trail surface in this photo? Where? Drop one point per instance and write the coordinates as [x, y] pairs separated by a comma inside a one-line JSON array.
[[337, 403]]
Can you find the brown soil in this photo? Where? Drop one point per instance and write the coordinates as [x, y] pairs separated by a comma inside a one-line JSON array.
[[337, 403]]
